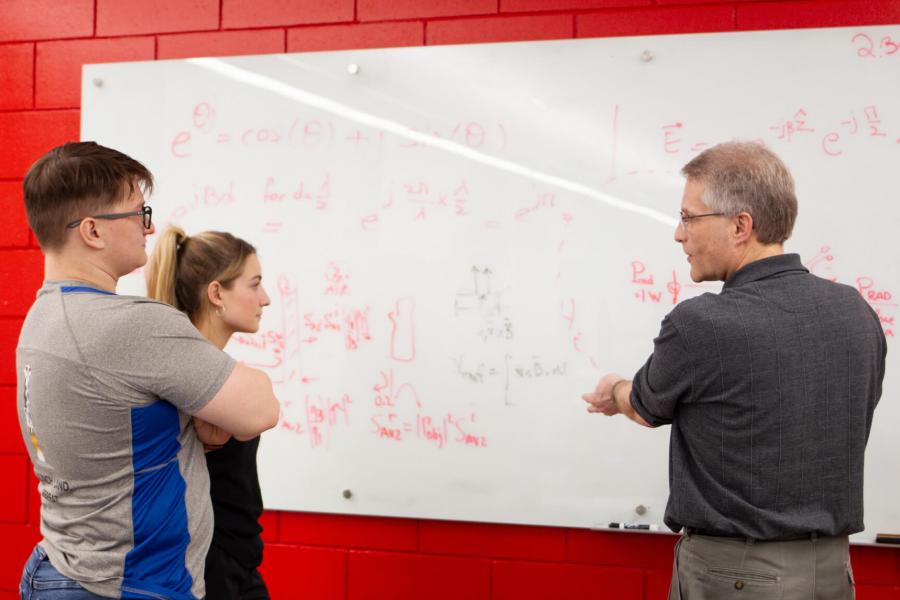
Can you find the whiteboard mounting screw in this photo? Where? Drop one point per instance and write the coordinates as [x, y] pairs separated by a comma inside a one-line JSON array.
[[353, 68], [97, 82], [347, 494], [646, 56]]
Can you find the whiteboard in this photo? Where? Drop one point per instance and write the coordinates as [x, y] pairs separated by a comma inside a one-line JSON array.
[[460, 240]]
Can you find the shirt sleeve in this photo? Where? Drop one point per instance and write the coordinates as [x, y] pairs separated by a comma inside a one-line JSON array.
[[665, 380]]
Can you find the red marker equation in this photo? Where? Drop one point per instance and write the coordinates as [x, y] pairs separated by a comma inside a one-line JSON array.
[[419, 200], [206, 131], [645, 289], [351, 323], [401, 416], [322, 416], [859, 123]]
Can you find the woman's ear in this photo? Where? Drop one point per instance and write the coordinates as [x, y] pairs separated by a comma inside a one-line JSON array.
[[214, 294]]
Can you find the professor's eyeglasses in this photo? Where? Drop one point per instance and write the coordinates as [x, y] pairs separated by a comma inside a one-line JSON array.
[[146, 213], [684, 220]]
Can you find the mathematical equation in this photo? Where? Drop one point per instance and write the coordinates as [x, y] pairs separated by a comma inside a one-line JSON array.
[[401, 415], [204, 132], [862, 122]]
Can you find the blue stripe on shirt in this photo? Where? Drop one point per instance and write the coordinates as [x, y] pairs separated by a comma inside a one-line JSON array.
[[156, 565]]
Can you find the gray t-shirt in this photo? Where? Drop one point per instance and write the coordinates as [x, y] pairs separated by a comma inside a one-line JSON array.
[[106, 387]]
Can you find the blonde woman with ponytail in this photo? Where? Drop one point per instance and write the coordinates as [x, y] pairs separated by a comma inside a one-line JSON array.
[[215, 278]]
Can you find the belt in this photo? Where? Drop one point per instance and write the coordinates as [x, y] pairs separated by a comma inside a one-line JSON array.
[[791, 537]]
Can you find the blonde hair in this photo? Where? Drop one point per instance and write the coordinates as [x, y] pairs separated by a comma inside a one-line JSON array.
[[183, 266]]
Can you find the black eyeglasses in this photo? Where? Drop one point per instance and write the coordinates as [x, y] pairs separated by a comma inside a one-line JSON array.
[[684, 219], [146, 213]]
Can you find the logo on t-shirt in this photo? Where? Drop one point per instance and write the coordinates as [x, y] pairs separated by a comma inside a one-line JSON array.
[[26, 372]]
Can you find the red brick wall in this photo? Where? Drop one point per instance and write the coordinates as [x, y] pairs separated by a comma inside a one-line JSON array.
[[43, 44]]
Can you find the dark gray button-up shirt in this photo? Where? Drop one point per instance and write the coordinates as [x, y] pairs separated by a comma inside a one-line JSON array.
[[770, 387]]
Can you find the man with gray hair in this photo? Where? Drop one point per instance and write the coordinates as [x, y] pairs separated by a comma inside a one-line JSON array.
[[769, 386]]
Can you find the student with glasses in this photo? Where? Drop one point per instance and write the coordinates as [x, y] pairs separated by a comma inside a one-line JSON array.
[[770, 388], [216, 280], [107, 386]]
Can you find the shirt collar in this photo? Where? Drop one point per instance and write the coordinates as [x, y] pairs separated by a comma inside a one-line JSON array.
[[764, 268]]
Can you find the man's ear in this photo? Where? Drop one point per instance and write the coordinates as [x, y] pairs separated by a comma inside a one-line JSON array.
[[743, 227], [214, 294], [89, 233]]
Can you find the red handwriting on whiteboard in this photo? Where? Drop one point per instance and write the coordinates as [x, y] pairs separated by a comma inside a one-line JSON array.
[[545, 201], [579, 344], [403, 330], [672, 140], [204, 117], [310, 133], [873, 121], [322, 415], [205, 196], [869, 121], [337, 280], [866, 287], [546, 207], [290, 323], [424, 198], [401, 415], [887, 322], [208, 129], [639, 273], [881, 299], [822, 258], [644, 289], [471, 134], [353, 324], [317, 195], [797, 124], [268, 344], [866, 122], [390, 398], [347, 321], [867, 47]]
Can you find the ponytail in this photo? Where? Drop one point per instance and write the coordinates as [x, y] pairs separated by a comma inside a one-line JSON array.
[[162, 269]]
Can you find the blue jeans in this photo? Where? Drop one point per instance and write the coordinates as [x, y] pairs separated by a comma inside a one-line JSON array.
[[41, 581]]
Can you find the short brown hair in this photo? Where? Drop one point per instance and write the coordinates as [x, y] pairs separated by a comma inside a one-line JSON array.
[[75, 180], [748, 177], [182, 266]]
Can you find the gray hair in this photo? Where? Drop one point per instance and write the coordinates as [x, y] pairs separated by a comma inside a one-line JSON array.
[[748, 177]]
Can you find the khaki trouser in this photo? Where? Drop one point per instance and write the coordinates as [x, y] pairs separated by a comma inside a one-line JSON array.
[[718, 568]]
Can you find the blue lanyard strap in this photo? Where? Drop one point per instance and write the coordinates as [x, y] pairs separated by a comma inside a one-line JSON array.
[[83, 289]]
